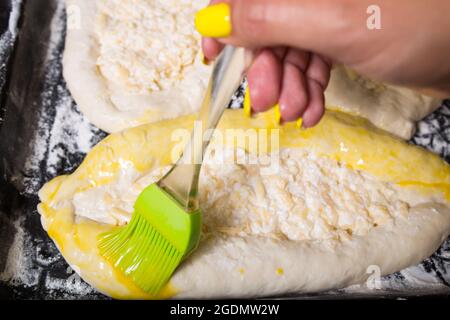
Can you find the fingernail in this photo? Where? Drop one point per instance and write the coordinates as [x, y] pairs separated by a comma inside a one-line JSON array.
[[205, 60], [300, 123], [277, 114], [247, 103], [214, 21]]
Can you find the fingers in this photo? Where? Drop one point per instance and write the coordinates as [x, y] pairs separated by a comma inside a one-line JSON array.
[[264, 80], [308, 24], [294, 93], [211, 48], [318, 75], [293, 78], [319, 70], [316, 104]]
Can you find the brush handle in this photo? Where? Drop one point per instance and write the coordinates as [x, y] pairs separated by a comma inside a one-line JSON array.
[[182, 180]]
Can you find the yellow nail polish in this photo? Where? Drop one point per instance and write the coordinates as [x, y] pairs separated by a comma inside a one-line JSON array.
[[247, 103], [277, 114], [300, 123], [214, 21], [205, 60]]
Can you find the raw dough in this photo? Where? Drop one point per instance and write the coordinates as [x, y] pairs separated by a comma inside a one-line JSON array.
[[394, 109], [347, 196], [125, 60]]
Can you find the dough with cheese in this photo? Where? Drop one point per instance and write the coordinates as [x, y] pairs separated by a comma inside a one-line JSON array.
[[132, 62], [125, 60], [343, 196], [392, 108]]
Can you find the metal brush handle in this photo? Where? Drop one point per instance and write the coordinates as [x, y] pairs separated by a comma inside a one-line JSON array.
[[182, 180]]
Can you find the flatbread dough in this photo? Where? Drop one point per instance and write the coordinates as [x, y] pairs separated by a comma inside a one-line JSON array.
[[115, 74], [125, 60], [392, 108], [347, 196]]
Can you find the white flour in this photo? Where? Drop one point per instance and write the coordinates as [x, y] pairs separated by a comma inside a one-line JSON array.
[[62, 129], [19, 269], [9, 36], [7, 40], [25, 266], [62, 132], [14, 17]]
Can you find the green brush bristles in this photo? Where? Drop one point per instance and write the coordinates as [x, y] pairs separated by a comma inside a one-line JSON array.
[[142, 254], [158, 237]]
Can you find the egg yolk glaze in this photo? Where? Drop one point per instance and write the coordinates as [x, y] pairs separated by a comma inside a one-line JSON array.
[[344, 138]]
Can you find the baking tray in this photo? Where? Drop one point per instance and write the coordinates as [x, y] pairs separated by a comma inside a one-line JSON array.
[[43, 134]]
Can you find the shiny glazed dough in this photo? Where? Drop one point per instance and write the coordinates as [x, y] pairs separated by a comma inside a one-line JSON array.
[[250, 265]]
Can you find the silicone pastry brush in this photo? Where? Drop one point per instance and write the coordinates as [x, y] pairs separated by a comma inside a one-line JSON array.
[[166, 224]]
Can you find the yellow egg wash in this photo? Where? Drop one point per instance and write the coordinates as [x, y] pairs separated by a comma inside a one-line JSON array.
[[76, 242], [350, 140]]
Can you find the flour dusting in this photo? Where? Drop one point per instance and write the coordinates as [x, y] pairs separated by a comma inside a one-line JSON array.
[[60, 143], [19, 270], [64, 136], [7, 40]]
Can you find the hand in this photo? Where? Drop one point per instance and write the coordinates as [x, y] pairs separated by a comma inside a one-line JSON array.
[[296, 42]]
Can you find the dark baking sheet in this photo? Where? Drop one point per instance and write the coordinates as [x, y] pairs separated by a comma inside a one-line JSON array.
[[44, 135]]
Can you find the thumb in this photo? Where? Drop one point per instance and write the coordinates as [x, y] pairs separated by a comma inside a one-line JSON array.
[[321, 26]]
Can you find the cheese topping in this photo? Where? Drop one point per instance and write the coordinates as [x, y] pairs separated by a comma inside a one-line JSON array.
[[146, 46], [338, 180], [309, 198]]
